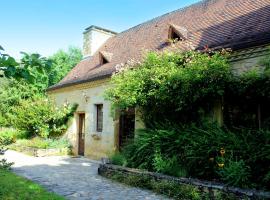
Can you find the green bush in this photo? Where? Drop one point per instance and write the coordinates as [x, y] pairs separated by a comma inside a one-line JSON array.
[[181, 91], [169, 188], [5, 165], [6, 137], [118, 159], [41, 118], [41, 143], [236, 173], [205, 152], [168, 166], [9, 136], [166, 84]]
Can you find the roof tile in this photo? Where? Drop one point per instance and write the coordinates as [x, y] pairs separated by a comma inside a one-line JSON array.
[[217, 23]]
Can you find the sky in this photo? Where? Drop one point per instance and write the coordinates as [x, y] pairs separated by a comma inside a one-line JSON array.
[[45, 26]]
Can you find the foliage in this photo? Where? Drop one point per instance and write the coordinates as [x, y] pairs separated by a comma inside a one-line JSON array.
[[236, 173], [4, 165], [11, 93], [28, 89], [15, 187], [168, 166], [41, 143], [32, 67], [63, 62], [184, 87], [169, 188], [176, 93], [30, 146], [118, 159], [167, 84], [8, 136], [41, 118], [204, 152]]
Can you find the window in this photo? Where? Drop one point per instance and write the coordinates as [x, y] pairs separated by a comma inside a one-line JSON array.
[[103, 60], [99, 108], [105, 57], [177, 33], [174, 36]]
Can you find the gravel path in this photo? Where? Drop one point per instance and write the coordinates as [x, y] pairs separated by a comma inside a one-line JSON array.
[[74, 178]]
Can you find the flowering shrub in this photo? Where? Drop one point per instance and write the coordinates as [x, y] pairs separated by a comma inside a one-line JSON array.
[[40, 117], [171, 84]]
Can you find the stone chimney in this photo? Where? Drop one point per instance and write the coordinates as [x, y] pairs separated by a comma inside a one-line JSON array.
[[93, 38]]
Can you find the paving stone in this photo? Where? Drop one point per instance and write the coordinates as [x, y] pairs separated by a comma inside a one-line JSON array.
[[74, 178]]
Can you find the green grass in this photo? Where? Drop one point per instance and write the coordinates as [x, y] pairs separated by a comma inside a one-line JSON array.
[[13, 187]]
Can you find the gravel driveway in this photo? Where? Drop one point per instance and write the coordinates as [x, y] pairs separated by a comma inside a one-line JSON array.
[[74, 178]]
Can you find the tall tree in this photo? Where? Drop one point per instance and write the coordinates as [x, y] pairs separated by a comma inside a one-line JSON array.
[[31, 67], [63, 62]]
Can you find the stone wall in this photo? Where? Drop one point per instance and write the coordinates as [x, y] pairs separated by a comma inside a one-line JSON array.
[[210, 189], [248, 59]]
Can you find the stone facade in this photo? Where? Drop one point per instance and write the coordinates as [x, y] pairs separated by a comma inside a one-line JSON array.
[[97, 144], [248, 59], [87, 96]]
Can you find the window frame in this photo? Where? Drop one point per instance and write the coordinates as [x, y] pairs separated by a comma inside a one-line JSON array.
[[99, 117]]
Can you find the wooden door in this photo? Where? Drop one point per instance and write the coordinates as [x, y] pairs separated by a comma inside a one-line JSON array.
[[81, 133], [127, 127]]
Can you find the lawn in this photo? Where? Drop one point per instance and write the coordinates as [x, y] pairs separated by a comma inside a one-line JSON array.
[[13, 187]]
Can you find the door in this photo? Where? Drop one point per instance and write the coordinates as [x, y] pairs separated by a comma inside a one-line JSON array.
[[81, 133], [127, 127]]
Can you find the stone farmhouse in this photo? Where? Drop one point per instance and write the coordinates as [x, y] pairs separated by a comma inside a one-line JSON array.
[[242, 25]]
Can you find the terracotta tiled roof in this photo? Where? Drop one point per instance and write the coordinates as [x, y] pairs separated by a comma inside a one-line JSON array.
[[235, 24]]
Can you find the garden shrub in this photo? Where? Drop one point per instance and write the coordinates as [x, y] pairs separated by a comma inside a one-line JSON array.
[[118, 159], [41, 118], [208, 152], [169, 188], [41, 143], [166, 84], [4, 164], [236, 173], [168, 166], [8, 136], [176, 93]]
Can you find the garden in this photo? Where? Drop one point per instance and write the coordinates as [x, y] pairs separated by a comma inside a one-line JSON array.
[[28, 118], [178, 95], [29, 121]]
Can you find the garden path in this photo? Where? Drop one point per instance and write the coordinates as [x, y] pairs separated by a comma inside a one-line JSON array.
[[74, 178]]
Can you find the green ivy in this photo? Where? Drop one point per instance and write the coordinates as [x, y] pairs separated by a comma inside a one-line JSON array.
[[183, 87], [171, 83]]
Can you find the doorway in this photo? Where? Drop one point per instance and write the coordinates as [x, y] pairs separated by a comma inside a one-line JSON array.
[[81, 133], [127, 127]]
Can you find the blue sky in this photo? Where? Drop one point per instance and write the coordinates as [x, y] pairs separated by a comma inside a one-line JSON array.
[[44, 26]]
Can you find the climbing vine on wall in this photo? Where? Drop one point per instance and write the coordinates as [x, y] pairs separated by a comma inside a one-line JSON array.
[[183, 86]]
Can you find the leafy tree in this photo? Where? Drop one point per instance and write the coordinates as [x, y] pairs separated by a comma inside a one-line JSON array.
[[32, 67], [175, 85], [63, 62], [13, 91]]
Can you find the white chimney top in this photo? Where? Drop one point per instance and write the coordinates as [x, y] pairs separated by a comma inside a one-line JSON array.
[[93, 38]]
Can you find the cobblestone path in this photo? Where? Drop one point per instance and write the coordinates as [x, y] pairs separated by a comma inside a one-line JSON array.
[[74, 178]]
